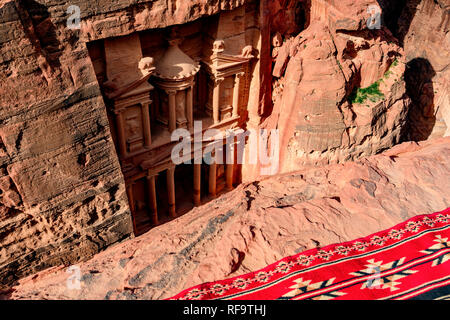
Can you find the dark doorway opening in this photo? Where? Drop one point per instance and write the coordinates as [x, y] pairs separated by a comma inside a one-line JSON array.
[[184, 192], [421, 118]]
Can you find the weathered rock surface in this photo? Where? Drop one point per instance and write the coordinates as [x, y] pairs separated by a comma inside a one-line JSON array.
[[317, 72], [261, 222]]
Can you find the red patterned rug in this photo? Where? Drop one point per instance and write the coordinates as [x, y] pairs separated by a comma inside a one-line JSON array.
[[408, 261]]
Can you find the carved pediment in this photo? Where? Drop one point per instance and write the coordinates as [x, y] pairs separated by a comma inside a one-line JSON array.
[[134, 88], [221, 61]]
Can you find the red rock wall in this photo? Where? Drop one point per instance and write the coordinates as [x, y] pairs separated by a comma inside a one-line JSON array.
[[316, 71]]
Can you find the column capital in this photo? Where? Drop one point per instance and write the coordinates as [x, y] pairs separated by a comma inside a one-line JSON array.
[[117, 111], [151, 175], [170, 91], [129, 183], [218, 80], [144, 104], [171, 167]]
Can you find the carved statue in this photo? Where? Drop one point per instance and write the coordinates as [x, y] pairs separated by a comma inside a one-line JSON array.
[[218, 46], [277, 40], [132, 127], [247, 52], [146, 66]]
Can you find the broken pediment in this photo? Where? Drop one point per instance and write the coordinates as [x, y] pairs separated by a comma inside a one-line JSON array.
[[127, 70], [223, 64]]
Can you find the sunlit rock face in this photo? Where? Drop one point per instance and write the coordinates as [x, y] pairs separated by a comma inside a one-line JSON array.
[[335, 55], [321, 74], [335, 89]]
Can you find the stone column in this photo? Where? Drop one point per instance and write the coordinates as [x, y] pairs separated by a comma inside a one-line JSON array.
[[121, 133], [190, 108], [230, 173], [237, 85], [216, 100], [230, 148], [200, 91], [197, 184], [212, 179], [171, 191], [146, 125], [130, 196], [152, 197], [172, 110]]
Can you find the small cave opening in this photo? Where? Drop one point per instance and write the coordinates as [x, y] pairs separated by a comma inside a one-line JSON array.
[[302, 14], [421, 118]]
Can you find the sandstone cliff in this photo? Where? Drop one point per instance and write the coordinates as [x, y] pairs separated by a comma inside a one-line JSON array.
[[315, 74]]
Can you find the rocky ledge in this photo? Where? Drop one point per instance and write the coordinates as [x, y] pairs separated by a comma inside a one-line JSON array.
[[260, 223]]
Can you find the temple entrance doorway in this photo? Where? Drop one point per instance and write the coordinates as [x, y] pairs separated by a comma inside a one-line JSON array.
[[184, 192]]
